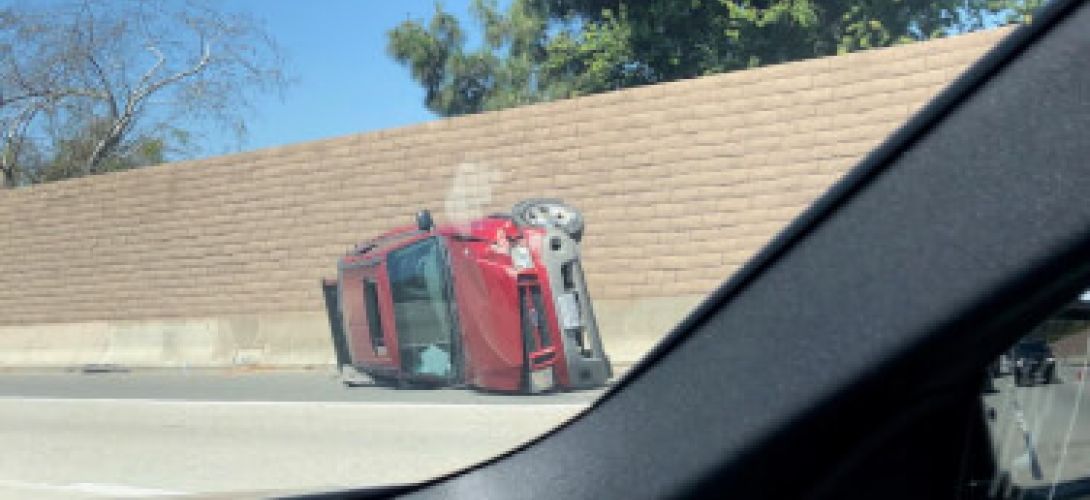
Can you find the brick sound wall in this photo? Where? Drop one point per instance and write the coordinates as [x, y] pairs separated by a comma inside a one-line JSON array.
[[680, 183]]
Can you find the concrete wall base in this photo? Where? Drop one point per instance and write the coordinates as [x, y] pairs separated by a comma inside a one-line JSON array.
[[629, 329]]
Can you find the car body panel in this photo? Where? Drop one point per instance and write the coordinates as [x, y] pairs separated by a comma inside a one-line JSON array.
[[489, 305]]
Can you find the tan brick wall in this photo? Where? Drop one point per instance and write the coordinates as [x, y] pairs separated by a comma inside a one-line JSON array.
[[680, 183]]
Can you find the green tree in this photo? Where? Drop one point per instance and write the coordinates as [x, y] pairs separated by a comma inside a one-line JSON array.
[[528, 55], [66, 155], [546, 49]]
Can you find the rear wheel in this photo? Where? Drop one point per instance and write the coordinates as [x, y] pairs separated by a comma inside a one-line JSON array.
[[1051, 377]]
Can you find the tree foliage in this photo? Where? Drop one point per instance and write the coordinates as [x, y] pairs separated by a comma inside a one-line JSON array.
[[546, 49], [93, 86]]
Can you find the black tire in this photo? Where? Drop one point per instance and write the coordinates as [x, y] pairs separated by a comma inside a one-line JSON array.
[[528, 213], [1002, 485], [1052, 377], [988, 387]]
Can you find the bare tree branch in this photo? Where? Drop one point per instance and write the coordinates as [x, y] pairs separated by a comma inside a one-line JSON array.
[[92, 114], [160, 59], [112, 139], [107, 94], [14, 138]]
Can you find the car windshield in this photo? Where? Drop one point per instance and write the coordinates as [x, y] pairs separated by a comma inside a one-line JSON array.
[[422, 307], [1038, 417], [284, 246], [1031, 348]]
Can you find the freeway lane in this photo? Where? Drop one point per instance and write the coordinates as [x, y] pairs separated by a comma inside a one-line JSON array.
[[1057, 420], [71, 435], [157, 433], [211, 385]]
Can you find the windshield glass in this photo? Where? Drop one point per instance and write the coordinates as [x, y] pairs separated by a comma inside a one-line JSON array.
[[265, 246], [1038, 412], [421, 301], [1031, 347]]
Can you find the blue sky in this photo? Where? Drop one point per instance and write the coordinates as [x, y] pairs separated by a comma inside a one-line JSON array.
[[345, 82]]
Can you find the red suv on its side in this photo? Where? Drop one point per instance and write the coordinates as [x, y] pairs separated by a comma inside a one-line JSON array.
[[497, 303]]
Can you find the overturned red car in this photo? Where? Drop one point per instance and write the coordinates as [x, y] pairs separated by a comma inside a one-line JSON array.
[[497, 303]]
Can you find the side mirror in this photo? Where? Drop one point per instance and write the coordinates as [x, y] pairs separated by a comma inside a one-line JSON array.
[[423, 220]]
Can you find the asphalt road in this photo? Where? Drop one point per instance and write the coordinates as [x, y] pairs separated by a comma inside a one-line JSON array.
[[71, 435], [112, 435], [1053, 418]]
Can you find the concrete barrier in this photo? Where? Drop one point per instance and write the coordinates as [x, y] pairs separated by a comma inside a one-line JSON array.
[[287, 339], [630, 328], [291, 339]]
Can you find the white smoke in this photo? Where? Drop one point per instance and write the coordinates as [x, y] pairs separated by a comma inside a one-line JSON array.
[[470, 192]]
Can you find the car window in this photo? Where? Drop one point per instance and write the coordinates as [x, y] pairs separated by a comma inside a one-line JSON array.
[[260, 246], [1037, 404], [422, 307], [374, 316]]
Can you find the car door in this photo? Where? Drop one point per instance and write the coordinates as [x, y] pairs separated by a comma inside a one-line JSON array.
[[428, 342]]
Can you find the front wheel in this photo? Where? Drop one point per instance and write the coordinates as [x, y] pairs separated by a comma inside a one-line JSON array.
[[544, 212]]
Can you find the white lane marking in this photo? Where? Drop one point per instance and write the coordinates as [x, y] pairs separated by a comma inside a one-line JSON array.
[[96, 489], [334, 404], [121, 490], [1070, 428]]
